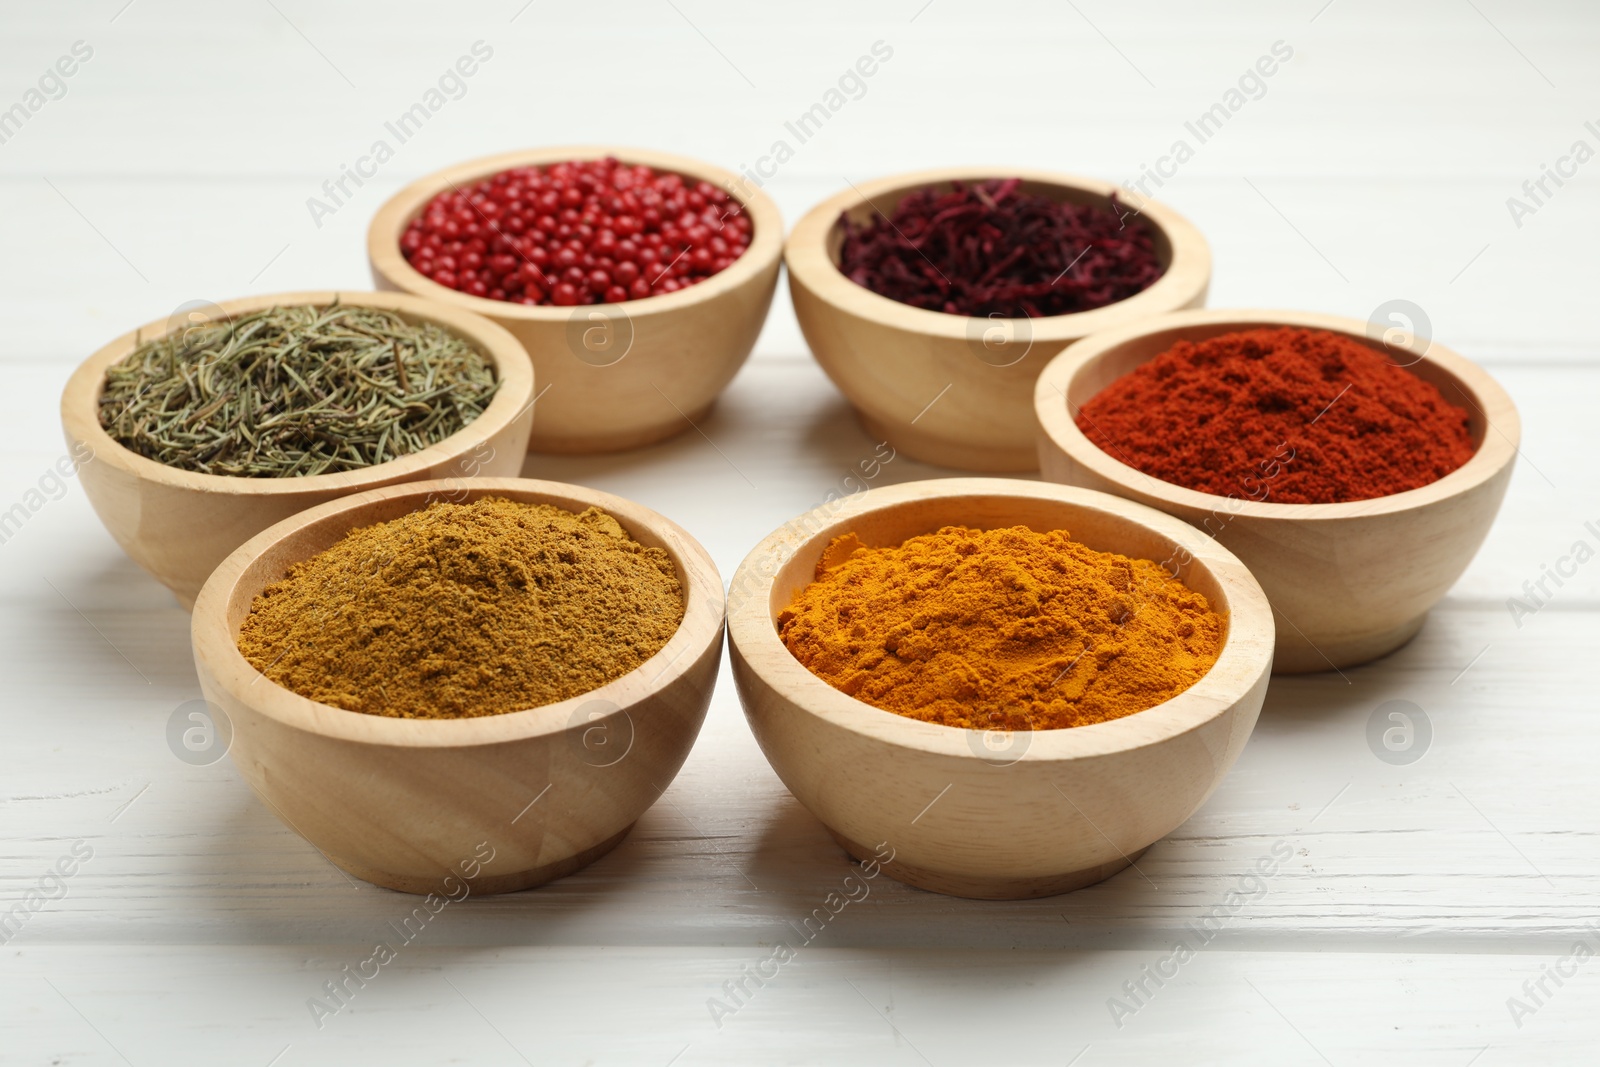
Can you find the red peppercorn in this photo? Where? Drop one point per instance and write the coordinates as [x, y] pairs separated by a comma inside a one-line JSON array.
[[578, 232]]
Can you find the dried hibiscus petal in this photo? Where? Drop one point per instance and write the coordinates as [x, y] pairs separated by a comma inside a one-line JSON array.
[[991, 248]]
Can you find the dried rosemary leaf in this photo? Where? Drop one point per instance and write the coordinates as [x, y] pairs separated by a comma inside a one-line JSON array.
[[295, 391]]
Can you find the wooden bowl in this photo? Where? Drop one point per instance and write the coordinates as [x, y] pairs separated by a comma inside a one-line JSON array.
[[985, 814], [404, 802], [178, 525], [952, 389], [618, 376], [1348, 582]]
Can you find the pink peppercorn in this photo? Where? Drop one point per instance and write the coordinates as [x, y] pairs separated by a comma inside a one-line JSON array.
[[581, 232]]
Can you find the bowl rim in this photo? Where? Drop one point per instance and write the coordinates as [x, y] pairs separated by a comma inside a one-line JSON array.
[[1183, 284], [80, 399], [1245, 659], [391, 219], [1500, 445], [216, 649]]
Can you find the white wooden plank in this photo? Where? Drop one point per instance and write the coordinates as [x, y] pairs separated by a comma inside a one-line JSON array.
[[587, 1005]]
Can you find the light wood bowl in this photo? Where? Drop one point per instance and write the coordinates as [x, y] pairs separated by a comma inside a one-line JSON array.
[[1348, 582], [178, 525], [612, 376], [402, 802], [956, 390], [979, 814]]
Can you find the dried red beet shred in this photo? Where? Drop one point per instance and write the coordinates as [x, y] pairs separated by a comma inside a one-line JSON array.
[[990, 248]]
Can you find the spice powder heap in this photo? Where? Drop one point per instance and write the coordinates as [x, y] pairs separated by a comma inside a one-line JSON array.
[[464, 610], [1326, 418], [1000, 629]]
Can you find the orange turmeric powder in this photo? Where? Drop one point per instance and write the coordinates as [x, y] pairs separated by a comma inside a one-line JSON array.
[[1000, 629]]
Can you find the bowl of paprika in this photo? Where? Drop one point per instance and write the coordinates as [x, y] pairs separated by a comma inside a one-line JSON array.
[[997, 688], [637, 281], [1355, 471], [934, 299]]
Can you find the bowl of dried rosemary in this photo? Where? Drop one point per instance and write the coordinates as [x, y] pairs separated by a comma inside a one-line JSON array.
[[197, 435]]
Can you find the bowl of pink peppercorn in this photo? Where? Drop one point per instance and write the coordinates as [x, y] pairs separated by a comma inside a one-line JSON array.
[[636, 280]]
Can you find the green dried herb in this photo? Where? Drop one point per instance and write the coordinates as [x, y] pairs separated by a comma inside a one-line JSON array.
[[295, 391]]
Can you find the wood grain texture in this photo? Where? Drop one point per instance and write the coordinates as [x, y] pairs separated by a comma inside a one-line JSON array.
[[619, 375], [1227, 1005], [179, 525], [955, 389], [497, 803]]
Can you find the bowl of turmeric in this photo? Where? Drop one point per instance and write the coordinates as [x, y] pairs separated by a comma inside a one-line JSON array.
[[1354, 467], [997, 688], [477, 683]]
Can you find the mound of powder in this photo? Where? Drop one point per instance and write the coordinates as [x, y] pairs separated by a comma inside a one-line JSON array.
[[461, 610], [1000, 629], [1288, 415]]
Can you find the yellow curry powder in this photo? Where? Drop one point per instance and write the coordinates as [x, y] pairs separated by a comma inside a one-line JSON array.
[[462, 610], [1000, 629]]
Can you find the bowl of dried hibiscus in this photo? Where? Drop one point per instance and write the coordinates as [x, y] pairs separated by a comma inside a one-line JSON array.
[[934, 299]]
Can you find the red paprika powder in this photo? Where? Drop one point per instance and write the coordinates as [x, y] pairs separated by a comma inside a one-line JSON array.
[[1328, 416]]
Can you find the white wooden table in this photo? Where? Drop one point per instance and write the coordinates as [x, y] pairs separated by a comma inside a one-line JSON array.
[[1375, 165]]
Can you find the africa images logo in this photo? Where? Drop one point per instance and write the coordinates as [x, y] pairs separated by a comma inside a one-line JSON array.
[[599, 335], [1399, 732], [199, 733], [1000, 341], [997, 744]]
